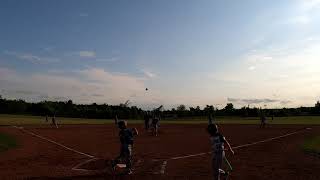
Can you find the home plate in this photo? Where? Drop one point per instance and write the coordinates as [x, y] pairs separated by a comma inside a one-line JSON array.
[[121, 166]]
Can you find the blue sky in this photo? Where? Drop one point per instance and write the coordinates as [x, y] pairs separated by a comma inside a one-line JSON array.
[[186, 52]]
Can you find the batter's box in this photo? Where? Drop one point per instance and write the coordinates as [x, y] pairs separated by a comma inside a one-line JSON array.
[[140, 166]]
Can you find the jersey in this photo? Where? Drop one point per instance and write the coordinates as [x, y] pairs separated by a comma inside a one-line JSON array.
[[155, 121], [126, 136], [217, 143]]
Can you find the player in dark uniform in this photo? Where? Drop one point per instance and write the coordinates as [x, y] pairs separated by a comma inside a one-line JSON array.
[[218, 153], [155, 125], [263, 119], [126, 136], [146, 121], [211, 119], [54, 121], [116, 120]]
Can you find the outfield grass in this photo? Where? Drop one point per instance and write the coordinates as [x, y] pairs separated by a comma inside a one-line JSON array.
[[24, 120], [307, 120], [312, 145], [6, 119], [7, 142]]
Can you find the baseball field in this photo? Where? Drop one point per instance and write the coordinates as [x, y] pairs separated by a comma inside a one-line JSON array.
[[288, 148]]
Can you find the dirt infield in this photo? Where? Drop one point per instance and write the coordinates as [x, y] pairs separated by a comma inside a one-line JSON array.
[[38, 158]]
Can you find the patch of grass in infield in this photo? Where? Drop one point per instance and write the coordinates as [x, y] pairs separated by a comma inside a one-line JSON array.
[[312, 145], [7, 142]]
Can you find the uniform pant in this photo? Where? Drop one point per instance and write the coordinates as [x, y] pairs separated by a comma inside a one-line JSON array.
[[155, 128], [217, 161], [146, 124], [125, 155]]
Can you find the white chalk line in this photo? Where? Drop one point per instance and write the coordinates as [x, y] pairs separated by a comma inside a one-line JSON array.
[[77, 166], [243, 145], [164, 163], [163, 167], [54, 142]]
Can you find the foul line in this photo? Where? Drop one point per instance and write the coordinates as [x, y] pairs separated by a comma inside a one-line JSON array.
[[241, 146], [76, 167], [164, 163], [51, 141]]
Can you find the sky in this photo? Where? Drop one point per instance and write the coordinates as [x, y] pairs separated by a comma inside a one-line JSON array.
[[249, 52]]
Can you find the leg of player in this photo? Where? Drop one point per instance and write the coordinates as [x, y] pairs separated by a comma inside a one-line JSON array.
[[156, 130], [216, 165], [129, 159], [210, 119], [119, 158], [228, 163], [56, 125], [54, 121]]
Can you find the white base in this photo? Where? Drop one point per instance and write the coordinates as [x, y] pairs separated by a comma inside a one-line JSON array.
[[121, 165]]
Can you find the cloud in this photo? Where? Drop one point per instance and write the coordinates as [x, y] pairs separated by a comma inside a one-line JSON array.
[[6, 72], [48, 49], [303, 19], [97, 95], [252, 101], [285, 102], [88, 54], [308, 5], [32, 58], [118, 81], [83, 86], [83, 14], [251, 68], [149, 74], [113, 59], [256, 57]]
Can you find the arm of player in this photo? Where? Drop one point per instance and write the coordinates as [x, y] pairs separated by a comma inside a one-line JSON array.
[[135, 131]]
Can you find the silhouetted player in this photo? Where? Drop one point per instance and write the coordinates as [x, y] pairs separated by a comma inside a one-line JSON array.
[[218, 154], [211, 119], [155, 125], [126, 139], [116, 120], [54, 122], [146, 120], [263, 121]]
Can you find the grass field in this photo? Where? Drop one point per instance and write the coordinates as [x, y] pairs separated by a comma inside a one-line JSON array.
[[24, 120], [6, 142]]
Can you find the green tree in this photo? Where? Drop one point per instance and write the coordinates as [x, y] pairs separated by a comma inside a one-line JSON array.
[[181, 107], [317, 107], [229, 109]]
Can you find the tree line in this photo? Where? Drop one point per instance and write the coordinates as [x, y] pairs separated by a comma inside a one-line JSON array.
[[105, 111], [69, 109]]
